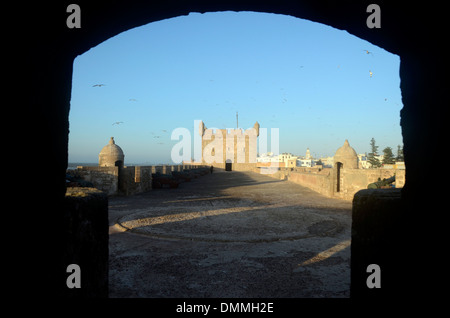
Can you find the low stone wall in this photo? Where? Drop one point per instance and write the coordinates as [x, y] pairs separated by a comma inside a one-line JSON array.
[[235, 166], [358, 179], [134, 179], [276, 173], [127, 180], [319, 182], [324, 180], [103, 178]]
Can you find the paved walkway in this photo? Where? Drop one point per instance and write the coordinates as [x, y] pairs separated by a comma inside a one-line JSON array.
[[230, 234]]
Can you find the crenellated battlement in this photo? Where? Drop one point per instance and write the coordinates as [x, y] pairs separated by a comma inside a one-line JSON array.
[[126, 180]]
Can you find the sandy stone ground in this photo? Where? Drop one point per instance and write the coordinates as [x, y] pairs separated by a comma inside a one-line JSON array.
[[230, 234]]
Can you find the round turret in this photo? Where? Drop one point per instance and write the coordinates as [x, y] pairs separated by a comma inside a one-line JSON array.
[[347, 156], [111, 155]]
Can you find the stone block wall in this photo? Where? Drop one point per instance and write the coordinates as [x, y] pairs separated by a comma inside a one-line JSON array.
[[237, 145], [324, 180], [242, 166], [400, 178], [321, 183], [104, 178], [135, 179], [358, 179], [276, 173], [378, 237], [127, 180]]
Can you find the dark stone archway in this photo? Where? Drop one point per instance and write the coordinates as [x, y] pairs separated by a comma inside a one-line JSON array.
[[47, 49], [228, 165], [339, 167]]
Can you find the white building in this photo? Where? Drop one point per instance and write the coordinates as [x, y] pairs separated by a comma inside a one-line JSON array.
[[283, 160], [306, 163], [363, 163], [327, 162], [267, 157]]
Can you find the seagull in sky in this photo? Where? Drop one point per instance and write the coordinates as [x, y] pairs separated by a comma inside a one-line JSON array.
[[117, 123], [98, 85]]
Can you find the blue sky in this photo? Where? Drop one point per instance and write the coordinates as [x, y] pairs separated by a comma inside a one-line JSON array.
[[307, 79]]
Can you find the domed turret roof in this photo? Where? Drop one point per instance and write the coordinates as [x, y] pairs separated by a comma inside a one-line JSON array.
[[110, 155], [347, 156], [346, 150]]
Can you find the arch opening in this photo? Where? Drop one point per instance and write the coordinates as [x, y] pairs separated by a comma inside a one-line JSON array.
[[294, 92]]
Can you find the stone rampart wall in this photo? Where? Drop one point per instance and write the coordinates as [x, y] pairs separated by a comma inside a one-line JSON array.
[[103, 178], [86, 240], [358, 179], [321, 183], [127, 180], [325, 180]]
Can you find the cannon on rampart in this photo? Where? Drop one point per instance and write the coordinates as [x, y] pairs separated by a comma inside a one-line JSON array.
[[382, 184]]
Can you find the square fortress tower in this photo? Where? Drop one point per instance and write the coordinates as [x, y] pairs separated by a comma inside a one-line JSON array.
[[230, 149]]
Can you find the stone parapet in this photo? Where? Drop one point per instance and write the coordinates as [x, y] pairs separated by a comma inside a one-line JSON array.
[[378, 223], [125, 180], [86, 240]]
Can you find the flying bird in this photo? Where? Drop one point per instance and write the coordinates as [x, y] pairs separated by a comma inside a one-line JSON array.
[[368, 52], [117, 123], [132, 100], [98, 85], [370, 73]]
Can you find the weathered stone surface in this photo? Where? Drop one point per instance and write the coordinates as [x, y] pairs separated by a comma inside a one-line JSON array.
[[377, 238], [44, 114], [347, 156], [86, 241], [111, 155], [230, 234], [229, 149]]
